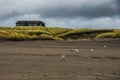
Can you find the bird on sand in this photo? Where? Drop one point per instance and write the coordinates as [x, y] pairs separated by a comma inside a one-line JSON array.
[[91, 50], [63, 57]]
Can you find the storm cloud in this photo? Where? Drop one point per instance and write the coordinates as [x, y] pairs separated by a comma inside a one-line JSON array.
[[68, 13]]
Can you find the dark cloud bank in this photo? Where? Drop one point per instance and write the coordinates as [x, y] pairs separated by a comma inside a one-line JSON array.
[[67, 13]]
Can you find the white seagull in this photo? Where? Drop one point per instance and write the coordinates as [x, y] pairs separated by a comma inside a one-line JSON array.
[[91, 50], [63, 57], [104, 46], [76, 50]]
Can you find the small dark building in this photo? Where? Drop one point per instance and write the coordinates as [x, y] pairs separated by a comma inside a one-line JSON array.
[[30, 23]]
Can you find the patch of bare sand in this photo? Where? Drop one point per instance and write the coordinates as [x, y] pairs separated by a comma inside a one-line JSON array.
[[41, 60]]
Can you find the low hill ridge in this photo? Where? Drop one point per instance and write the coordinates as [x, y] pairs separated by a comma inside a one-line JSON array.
[[55, 33]]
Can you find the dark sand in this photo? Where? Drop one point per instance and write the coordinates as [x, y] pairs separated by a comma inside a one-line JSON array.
[[41, 60]]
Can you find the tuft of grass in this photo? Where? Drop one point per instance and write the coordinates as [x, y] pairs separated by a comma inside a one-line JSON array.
[[36, 32], [5, 28], [74, 32], [114, 34], [117, 33], [56, 31], [48, 37], [106, 35], [8, 35], [28, 28]]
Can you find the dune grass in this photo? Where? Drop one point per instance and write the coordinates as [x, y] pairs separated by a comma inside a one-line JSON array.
[[113, 34], [55, 33], [83, 33]]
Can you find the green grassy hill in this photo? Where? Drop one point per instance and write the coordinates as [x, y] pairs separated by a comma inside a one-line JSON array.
[[48, 33]]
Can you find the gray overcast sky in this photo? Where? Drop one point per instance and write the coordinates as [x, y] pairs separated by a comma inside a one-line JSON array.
[[62, 13]]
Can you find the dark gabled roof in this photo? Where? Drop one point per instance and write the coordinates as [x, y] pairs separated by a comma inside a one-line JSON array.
[[22, 22]]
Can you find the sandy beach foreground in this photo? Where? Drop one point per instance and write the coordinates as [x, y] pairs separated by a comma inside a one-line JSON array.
[[41, 60]]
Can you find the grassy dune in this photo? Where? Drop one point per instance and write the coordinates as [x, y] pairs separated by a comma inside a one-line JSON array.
[[47, 33]]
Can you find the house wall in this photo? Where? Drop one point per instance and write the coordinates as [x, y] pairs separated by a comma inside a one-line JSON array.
[[20, 25]]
